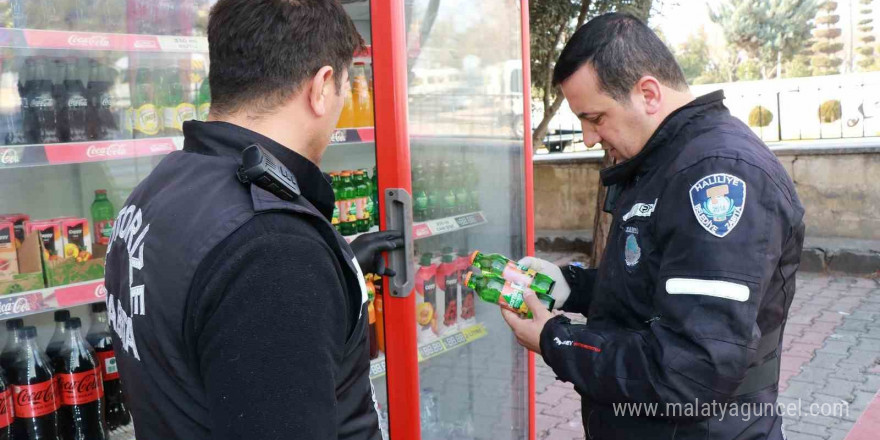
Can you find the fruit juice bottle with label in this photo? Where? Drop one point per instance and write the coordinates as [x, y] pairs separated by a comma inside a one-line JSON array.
[[363, 102], [426, 301], [448, 287], [466, 299], [346, 118], [103, 217], [19, 221]]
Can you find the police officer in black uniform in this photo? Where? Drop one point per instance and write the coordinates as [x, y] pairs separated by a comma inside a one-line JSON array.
[[686, 310], [238, 312]]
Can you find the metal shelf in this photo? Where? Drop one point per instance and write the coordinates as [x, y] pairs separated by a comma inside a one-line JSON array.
[[53, 298], [442, 345], [23, 156]]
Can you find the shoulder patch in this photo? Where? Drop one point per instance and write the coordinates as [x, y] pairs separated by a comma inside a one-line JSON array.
[[718, 202]]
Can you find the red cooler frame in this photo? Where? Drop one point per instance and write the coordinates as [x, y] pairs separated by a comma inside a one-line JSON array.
[[393, 157]]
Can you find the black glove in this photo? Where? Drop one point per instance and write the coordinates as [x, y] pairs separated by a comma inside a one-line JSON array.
[[368, 250]]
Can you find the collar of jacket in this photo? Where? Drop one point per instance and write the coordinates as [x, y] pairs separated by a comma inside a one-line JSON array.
[[224, 139], [650, 155]]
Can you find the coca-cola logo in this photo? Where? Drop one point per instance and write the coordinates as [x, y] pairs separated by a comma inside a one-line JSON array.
[[42, 102], [111, 150], [27, 398], [88, 41], [9, 157], [77, 102], [100, 291], [20, 305], [85, 385]]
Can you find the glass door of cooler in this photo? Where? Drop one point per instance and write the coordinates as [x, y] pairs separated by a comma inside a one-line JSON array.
[[465, 98]]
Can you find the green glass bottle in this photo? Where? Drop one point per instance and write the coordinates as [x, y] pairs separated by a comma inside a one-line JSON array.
[[347, 206], [509, 270], [145, 117], [203, 102], [494, 289]]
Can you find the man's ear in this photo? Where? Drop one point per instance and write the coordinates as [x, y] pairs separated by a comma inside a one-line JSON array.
[[320, 86], [649, 92]]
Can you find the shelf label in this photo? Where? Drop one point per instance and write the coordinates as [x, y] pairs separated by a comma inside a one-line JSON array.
[[471, 219], [81, 294], [474, 332], [443, 225], [421, 230], [109, 150], [431, 349], [377, 368], [182, 44], [454, 340], [142, 43], [15, 305], [338, 137], [73, 40]]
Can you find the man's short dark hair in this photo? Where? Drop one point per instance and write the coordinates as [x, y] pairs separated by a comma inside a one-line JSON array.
[[263, 50], [622, 49]]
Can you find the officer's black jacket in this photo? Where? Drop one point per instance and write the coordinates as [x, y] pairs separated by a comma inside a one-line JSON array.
[[237, 315], [677, 310]]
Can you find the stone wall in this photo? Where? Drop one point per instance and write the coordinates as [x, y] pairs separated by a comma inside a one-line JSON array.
[[840, 190]]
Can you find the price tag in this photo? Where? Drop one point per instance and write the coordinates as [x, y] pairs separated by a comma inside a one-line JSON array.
[[474, 332], [469, 220], [443, 225], [377, 368], [430, 350], [453, 341]]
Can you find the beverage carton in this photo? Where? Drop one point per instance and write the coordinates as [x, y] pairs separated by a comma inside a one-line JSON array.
[[8, 255], [18, 220], [50, 235], [76, 238]]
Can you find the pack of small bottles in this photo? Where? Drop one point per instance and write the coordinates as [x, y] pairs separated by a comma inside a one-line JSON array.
[[446, 290]]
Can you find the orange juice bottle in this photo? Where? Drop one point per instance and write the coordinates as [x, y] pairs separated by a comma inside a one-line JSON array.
[[346, 119], [363, 102]]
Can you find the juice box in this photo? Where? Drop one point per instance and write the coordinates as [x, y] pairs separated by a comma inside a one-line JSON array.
[[18, 220], [76, 238], [50, 235], [8, 254]]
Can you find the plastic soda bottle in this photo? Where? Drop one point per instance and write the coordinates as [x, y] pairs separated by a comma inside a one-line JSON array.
[[102, 217], [145, 117], [494, 289], [346, 118], [363, 102], [509, 270], [361, 196], [203, 101]]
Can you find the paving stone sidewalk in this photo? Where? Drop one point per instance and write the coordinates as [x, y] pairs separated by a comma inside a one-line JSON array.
[[830, 364]]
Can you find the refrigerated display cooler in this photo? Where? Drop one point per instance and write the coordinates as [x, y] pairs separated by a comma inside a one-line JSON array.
[[93, 94]]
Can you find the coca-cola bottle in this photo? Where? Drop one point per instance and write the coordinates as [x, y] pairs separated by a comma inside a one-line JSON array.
[[74, 106], [10, 350], [13, 119], [101, 123], [7, 416], [81, 395], [60, 335], [99, 337], [26, 84], [33, 391], [42, 104]]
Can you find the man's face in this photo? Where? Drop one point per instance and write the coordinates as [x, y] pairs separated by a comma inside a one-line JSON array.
[[622, 128]]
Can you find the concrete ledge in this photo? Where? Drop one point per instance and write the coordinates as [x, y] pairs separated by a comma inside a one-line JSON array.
[[847, 255], [557, 240], [869, 145]]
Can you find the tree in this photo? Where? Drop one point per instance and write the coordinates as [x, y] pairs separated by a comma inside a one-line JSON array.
[[866, 37], [826, 59], [552, 24], [693, 55], [770, 32]]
